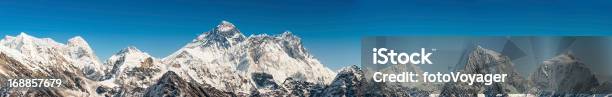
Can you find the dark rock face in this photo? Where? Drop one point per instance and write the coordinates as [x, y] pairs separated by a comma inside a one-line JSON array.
[[265, 85], [484, 61], [171, 85], [349, 82], [264, 80], [299, 88], [110, 92], [562, 75]]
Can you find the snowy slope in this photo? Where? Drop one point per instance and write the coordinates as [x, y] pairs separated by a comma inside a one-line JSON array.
[[133, 71], [47, 52], [28, 57], [226, 59]]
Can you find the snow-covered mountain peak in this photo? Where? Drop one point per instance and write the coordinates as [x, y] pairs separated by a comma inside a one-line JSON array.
[[78, 41], [79, 47], [353, 71], [227, 30], [285, 42], [129, 58], [130, 49], [24, 36], [287, 35], [488, 59], [133, 70], [565, 58], [130, 55], [230, 53], [28, 39], [38, 50], [25, 41], [224, 35], [225, 26], [349, 69], [479, 50]]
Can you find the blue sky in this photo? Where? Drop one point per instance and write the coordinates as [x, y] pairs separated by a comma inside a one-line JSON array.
[[330, 29]]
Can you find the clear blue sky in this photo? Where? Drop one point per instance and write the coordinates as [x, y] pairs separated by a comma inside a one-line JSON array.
[[330, 29]]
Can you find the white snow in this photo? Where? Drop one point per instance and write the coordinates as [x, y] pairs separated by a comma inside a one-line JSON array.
[[45, 51], [225, 26], [226, 68], [219, 66]]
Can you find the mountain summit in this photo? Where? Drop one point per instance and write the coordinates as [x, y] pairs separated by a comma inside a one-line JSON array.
[[224, 35], [224, 58], [225, 26]]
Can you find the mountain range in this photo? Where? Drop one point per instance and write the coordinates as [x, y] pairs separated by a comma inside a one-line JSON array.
[[222, 59], [223, 62]]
